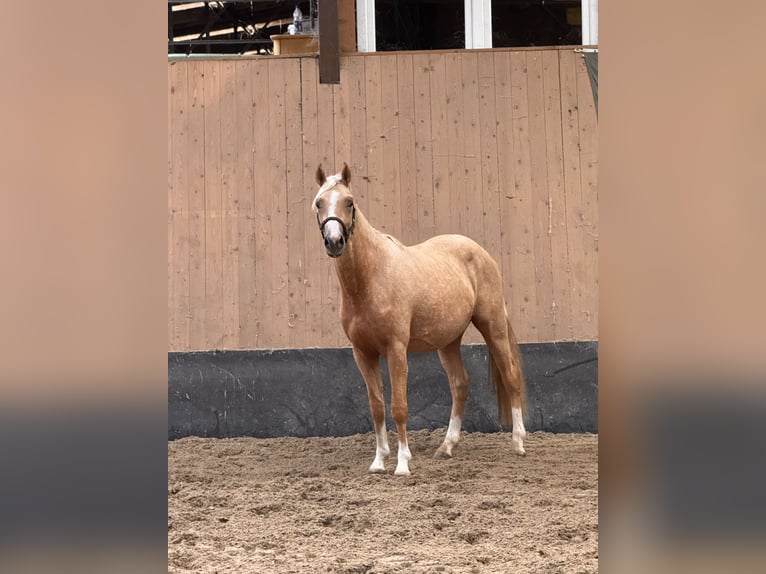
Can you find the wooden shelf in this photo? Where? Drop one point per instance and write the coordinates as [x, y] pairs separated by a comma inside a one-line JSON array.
[[285, 44]]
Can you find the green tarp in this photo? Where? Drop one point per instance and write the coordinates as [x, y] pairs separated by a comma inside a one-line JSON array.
[[591, 62]]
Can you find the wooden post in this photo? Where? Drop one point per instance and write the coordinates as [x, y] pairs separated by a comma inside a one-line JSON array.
[[329, 49]]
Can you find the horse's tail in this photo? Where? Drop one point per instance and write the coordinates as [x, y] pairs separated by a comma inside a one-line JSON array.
[[505, 391]]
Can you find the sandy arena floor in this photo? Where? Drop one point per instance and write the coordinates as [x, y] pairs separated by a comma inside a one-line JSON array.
[[308, 505]]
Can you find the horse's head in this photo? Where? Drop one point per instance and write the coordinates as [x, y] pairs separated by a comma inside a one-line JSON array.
[[335, 210]]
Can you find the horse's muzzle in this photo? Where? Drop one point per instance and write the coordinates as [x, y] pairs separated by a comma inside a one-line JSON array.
[[336, 234], [334, 246]]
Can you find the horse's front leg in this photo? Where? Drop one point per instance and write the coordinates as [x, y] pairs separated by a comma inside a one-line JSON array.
[[370, 369], [397, 369]]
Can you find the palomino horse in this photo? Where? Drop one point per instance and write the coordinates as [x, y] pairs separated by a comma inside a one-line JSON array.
[[398, 299]]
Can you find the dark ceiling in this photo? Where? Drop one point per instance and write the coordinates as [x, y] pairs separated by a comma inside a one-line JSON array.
[[231, 27]]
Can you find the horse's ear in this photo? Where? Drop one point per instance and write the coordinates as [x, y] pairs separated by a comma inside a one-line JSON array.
[[345, 175], [320, 175]]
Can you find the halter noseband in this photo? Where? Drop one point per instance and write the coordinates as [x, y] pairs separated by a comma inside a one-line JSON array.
[[347, 231]]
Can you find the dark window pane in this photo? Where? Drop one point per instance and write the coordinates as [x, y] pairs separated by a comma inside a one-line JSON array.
[[536, 23], [419, 25]]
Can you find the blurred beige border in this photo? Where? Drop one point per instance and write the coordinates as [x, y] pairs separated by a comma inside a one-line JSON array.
[[82, 225]]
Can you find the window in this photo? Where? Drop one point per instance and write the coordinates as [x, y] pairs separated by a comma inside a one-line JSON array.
[[385, 25], [419, 25]]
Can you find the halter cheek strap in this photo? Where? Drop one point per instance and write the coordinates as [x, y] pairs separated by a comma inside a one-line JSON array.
[[347, 231]]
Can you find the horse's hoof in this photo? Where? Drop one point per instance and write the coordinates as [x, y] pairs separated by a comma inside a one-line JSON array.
[[376, 470], [405, 472], [442, 454]]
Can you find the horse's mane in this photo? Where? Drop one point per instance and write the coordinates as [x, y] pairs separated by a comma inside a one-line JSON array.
[[394, 240]]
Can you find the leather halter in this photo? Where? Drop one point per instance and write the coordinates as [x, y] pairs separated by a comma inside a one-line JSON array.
[[347, 231]]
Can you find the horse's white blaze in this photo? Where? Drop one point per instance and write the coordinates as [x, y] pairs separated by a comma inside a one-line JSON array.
[[333, 229], [333, 203], [519, 432], [403, 459]]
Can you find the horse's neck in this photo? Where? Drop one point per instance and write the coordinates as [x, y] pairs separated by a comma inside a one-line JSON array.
[[363, 260]]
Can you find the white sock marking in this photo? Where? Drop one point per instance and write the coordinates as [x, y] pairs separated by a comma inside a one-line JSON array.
[[381, 449], [453, 431], [403, 460], [519, 432]]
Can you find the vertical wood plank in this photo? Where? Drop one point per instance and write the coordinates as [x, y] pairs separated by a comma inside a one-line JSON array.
[[278, 234], [574, 215], [342, 135], [523, 252], [263, 204], [374, 138], [171, 175], [246, 193], [588, 186], [326, 127], [474, 196], [440, 140], [561, 307], [180, 206], [423, 147], [297, 206], [505, 176], [455, 143], [331, 335], [407, 149], [213, 208], [229, 186], [391, 222], [262, 192], [314, 250], [543, 315], [489, 150], [471, 205], [358, 125], [341, 119], [196, 142]]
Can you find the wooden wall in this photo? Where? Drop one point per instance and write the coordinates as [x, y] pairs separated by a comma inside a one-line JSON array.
[[499, 145]]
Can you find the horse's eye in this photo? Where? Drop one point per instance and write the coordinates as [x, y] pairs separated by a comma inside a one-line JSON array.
[[319, 204], [349, 203]]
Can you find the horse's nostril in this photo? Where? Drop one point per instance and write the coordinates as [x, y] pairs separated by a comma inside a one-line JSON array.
[[326, 242], [341, 241]]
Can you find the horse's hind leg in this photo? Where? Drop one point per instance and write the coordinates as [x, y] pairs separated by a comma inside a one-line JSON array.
[[452, 362], [370, 369], [509, 381]]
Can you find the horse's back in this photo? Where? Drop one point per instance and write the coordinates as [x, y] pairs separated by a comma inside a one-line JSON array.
[[449, 243], [459, 248], [461, 252]]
